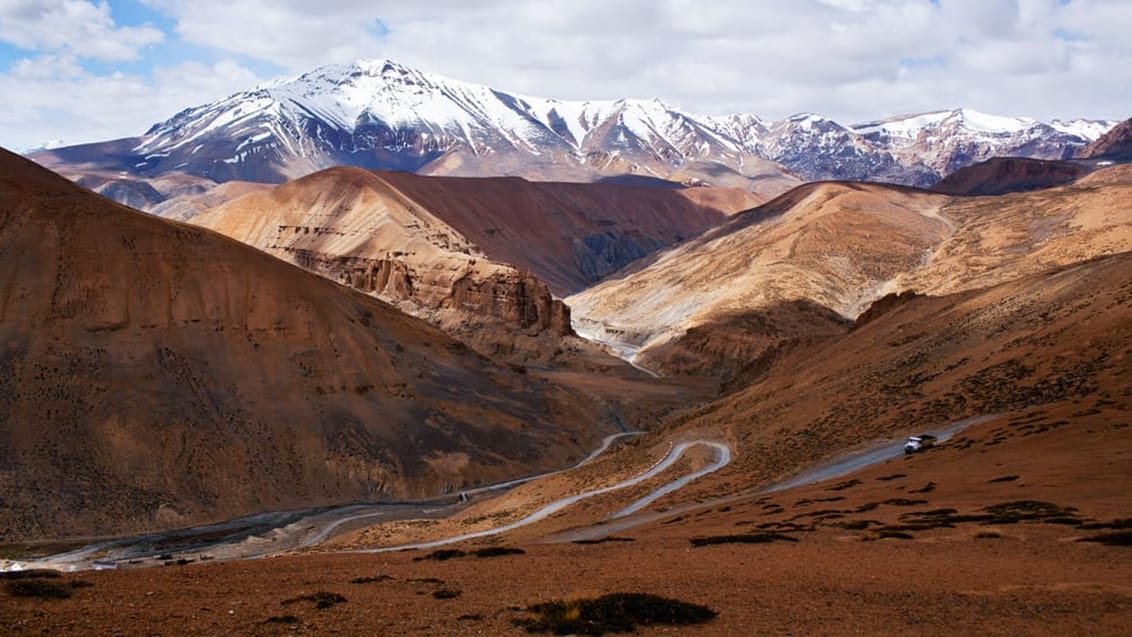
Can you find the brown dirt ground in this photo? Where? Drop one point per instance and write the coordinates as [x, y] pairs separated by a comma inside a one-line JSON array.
[[1033, 579]]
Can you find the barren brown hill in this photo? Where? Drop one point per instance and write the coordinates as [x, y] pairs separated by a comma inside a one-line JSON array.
[[982, 535], [1034, 355], [351, 226], [841, 246], [185, 206], [154, 375], [1044, 358], [567, 234], [1053, 340], [1002, 175], [831, 245], [1116, 144], [1108, 175]]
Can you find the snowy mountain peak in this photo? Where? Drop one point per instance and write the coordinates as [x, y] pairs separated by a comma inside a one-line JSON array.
[[382, 114], [910, 126]]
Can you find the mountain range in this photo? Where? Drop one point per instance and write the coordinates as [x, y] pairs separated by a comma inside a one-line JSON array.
[[378, 114]]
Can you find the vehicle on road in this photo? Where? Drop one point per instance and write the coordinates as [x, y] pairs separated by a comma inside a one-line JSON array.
[[919, 443]]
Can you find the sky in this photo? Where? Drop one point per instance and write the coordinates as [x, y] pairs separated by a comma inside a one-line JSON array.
[[76, 71]]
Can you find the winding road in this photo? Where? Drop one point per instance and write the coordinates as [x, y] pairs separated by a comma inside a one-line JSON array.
[[722, 459], [268, 533], [275, 532], [625, 351], [835, 468]]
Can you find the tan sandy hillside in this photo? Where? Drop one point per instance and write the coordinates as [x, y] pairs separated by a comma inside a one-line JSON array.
[[841, 246], [155, 375], [1057, 338]]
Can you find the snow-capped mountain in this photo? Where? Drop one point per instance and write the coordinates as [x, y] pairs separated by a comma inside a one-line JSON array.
[[379, 114], [946, 141]]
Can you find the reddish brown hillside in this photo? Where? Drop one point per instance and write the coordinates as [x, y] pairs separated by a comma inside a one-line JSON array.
[[569, 235], [1113, 145], [154, 374], [1002, 175]]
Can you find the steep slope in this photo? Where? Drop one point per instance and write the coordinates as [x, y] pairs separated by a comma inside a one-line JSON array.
[[842, 246], [569, 235], [378, 114], [997, 239], [1043, 360], [154, 374], [1116, 144], [1002, 175], [354, 227], [1053, 341], [832, 245]]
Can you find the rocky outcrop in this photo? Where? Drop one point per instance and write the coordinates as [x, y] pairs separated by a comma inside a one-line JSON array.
[[518, 298], [351, 226]]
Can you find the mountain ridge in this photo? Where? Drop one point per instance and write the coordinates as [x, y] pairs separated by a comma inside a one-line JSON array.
[[378, 114]]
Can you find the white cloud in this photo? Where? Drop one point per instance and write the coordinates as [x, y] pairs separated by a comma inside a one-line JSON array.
[[74, 27], [53, 98], [852, 60], [771, 58]]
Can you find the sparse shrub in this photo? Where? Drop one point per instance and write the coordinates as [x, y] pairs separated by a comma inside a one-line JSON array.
[[841, 486], [618, 612], [892, 477], [441, 554], [1117, 538], [927, 488], [380, 577], [611, 538], [854, 525], [750, 538], [1031, 510], [496, 551], [321, 599], [282, 619], [470, 617], [1122, 523]]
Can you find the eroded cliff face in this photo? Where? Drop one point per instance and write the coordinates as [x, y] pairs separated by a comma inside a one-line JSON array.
[[518, 298], [352, 227]]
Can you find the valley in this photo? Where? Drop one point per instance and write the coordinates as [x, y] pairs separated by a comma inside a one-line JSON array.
[[373, 351]]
